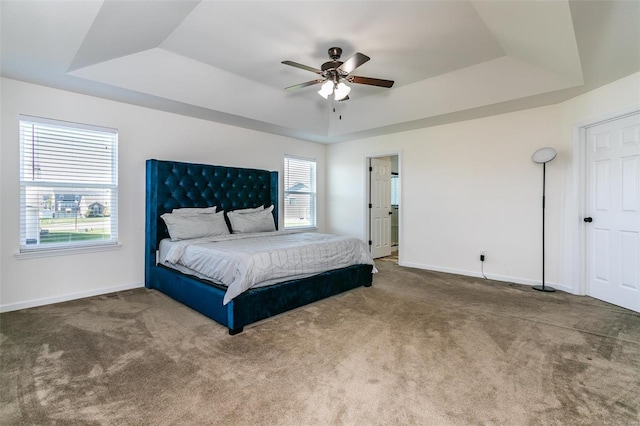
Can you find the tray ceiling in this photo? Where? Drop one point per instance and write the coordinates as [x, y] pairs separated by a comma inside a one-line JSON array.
[[220, 60]]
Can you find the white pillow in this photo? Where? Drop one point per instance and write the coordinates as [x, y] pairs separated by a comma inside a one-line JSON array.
[[184, 227], [261, 221], [253, 210], [194, 210]]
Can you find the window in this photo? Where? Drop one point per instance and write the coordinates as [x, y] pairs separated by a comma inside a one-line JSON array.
[[299, 193], [68, 185], [395, 189]]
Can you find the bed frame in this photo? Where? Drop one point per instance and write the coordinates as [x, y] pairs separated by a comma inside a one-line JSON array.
[[172, 184]]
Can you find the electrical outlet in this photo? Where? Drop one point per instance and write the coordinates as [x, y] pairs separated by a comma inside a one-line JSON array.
[[481, 257]]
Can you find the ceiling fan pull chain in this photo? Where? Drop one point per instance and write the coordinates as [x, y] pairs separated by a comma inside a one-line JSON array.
[[334, 108]]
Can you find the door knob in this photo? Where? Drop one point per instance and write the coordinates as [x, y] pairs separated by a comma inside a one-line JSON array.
[[588, 219], [390, 212]]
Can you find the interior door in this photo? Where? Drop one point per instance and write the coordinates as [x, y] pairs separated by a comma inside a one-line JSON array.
[[613, 211], [380, 199]]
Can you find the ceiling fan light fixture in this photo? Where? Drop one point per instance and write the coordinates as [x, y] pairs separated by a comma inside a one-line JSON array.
[[342, 91], [326, 89]]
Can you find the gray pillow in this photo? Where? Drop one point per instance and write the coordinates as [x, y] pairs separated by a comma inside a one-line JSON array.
[[184, 227], [252, 210], [261, 221], [195, 210]]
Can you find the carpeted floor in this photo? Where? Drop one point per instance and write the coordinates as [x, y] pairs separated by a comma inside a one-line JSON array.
[[416, 348]]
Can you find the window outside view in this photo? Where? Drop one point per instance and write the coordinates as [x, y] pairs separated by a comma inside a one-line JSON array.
[[68, 185], [299, 193]]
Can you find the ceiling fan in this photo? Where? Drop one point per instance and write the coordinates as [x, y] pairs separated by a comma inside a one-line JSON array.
[[335, 72]]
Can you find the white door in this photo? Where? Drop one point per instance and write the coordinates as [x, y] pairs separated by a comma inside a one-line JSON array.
[[613, 211], [380, 198]]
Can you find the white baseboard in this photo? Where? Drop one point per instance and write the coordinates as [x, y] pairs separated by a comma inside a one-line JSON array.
[[494, 277], [66, 297]]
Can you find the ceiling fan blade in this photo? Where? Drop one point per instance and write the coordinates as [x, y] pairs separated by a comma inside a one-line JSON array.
[[308, 83], [353, 62], [370, 81], [304, 67]]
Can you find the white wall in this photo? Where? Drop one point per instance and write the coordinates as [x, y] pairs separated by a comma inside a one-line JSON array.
[[466, 187], [143, 134], [471, 186]]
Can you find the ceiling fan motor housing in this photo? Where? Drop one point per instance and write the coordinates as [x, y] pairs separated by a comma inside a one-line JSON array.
[[331, 65], [330, 68]]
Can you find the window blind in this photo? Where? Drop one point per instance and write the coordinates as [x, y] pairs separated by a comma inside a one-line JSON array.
[[299, 193], [68, 184]]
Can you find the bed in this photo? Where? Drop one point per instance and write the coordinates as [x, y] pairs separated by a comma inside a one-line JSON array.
[[173, 185]]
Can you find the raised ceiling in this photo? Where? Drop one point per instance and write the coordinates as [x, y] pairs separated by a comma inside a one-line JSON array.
[[221, 60]]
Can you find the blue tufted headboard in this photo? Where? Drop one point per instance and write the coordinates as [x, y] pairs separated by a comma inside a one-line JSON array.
[[172, 184]]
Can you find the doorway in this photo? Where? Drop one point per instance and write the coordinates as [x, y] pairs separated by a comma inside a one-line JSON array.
[[612, 210], [383, 204]]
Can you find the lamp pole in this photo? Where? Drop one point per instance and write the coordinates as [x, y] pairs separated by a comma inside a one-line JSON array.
[[543, 156]]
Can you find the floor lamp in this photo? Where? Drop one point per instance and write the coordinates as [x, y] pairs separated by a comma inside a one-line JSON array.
[[543, 156]]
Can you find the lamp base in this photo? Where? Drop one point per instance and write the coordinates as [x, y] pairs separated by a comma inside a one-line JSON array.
[[544, 288]]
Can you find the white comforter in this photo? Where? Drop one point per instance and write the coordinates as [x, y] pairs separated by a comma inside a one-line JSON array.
[[241, 261]]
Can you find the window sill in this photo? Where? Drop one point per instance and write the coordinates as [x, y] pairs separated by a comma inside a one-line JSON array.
[[35, 254], [302, 228]]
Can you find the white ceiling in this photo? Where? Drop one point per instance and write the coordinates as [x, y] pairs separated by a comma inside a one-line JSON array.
[[221, 60]]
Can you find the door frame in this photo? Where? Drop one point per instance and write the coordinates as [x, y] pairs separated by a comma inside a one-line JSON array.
[[579, 261], [367, 198]]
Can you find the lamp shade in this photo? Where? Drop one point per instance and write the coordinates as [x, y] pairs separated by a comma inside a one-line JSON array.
[[326, 89], [544, 155], [342, 91]]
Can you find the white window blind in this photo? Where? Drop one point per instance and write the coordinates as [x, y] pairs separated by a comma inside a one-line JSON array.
[[299, 193], [68, 184]]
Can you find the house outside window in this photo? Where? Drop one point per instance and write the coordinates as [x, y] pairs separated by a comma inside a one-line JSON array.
[[299, 193], [68, 185]]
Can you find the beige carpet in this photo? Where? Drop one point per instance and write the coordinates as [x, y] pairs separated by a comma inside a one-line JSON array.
[[416, 348]]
